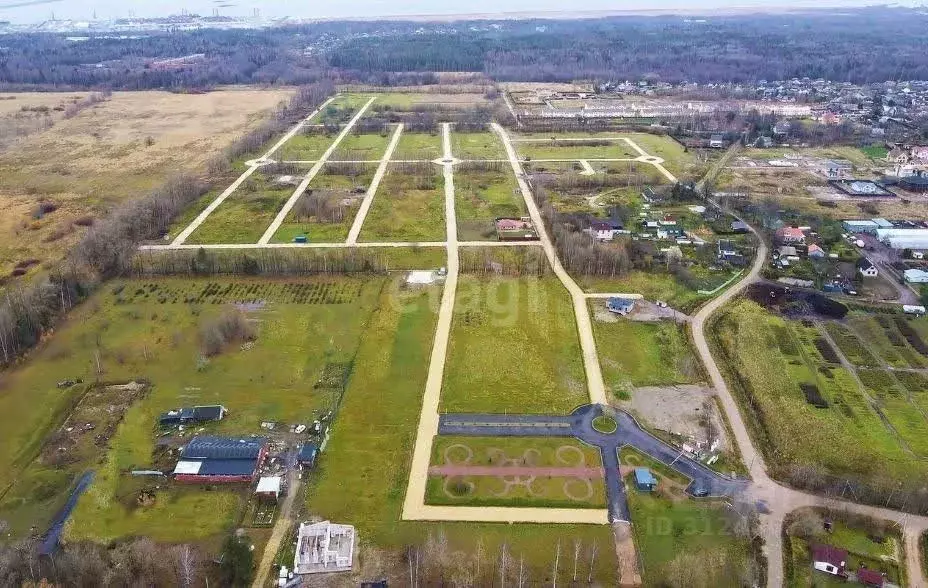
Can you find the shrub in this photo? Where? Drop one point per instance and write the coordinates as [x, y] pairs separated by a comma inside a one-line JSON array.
[[229, 327]]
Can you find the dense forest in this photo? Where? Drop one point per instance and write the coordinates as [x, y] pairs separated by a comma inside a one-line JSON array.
[[854, 45]]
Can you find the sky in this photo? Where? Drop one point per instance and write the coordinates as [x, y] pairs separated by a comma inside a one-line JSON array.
[[31, 11]]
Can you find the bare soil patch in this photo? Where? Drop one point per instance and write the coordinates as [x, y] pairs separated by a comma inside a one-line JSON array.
[[678, 409]]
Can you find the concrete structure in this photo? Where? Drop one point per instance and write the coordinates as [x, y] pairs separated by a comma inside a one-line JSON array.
[[208, 459], [916, 276], [324, 548]]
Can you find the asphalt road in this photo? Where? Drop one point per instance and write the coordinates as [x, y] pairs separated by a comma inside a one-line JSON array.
[[579, 424]]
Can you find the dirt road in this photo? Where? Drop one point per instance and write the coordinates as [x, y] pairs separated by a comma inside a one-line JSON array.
[[372, 189], [281, 530], [313, 171]]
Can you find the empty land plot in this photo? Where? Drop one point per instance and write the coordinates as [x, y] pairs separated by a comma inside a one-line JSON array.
[[425, 146], [569, 473], [307, 145], [409, 101], [677, 537], [245, 215], [409, 205], [150, 330], [324, 213], [643, 354], [677, 159], [376, 424], [485, 145], [513, 348], [109, 152], [362, 146], [576, 149], [808, 412], [481, 196]]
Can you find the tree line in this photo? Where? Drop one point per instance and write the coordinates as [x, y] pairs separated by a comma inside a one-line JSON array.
[[734, 48]]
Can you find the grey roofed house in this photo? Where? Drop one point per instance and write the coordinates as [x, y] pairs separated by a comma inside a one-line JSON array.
[[739, 227], [197, 414]]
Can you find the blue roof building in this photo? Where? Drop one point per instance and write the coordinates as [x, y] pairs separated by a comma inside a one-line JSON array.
[[220, 459], [307, 454], [645, 480], [620, 305]]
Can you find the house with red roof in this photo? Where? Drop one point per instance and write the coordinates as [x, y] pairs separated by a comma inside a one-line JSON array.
[[789, 235], [830, 560], [871, 578]]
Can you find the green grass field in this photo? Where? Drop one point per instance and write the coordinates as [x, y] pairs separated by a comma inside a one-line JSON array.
[[643, 354], [377, 425], [532, 451], [406, 208], [483, 196], [150, 330], [773, 359], [418, 146], [303, 147], [680, 540], [656, 285], [245, 214], [362, 146], [514, 348], [554, 149], [486, 145]]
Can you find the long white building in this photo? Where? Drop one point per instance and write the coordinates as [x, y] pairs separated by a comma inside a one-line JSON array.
[[904, 238]]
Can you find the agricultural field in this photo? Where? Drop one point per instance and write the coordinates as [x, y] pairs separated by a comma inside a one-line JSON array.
[[485, 145], [546, 488], [482, 196], [409, 205], [325, 212], [117, 149], [391, 369], [155, 331], [246, 214], [522, 334], [636, 354], [808, 409]]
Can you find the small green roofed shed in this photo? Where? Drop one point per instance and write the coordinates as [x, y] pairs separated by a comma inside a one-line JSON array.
[[645, 480]]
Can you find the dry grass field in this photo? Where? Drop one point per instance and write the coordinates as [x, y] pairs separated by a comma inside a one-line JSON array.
[[109, 152]]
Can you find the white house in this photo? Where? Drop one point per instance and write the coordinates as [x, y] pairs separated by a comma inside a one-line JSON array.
[[916, 276], [866, 268]]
